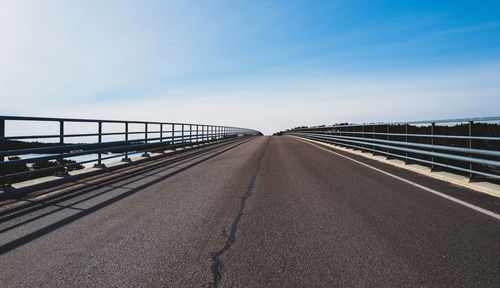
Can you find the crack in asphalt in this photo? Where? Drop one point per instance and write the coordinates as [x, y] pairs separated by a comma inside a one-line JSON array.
[[232, 236]]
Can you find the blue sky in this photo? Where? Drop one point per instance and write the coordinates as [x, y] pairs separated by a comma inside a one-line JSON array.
[[268, 65]]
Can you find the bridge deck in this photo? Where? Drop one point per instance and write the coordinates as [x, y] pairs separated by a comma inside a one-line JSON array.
[[309, 218]]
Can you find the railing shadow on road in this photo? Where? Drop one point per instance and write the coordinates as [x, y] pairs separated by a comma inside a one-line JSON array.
[[33, 206]]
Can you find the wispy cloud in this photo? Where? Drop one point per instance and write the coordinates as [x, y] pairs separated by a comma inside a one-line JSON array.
[[283, 103], [488, 26], [69, 51]]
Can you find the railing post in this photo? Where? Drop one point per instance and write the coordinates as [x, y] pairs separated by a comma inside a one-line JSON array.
[[145, 154], [173, 133], [61, 132], [3, 185], [126, 159], [182, 134], [2, 134], [99, 140], [432, 143], [472, 177], [64, 171], [161, 132], [374, 137], [61, 138], [387, 138], [406, 140], [363, 134]]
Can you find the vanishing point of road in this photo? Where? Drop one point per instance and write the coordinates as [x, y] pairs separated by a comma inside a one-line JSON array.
[[253, 212]]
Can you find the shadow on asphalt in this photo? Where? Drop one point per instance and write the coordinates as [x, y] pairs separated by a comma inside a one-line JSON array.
[[35, 205]]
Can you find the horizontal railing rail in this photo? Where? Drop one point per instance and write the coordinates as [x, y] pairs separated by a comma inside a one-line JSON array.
[[468, 145], [28, 160]]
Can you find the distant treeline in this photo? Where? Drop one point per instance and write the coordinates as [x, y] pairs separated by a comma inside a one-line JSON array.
[[40, 164]]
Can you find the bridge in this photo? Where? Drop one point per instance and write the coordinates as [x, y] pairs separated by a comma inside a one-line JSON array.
[[194, 205]]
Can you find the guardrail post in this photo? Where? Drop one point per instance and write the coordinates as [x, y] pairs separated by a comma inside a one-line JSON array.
[[406, 140], [362, 134], [173, 133], [161, 132], [432, 143], [61, 132], [472, 177], [64, 172], [182, 134], [61, 138], [126, 159], [145, 154], [373, 136], [352, 135], [99, 139], [2, 134], [190, 134], [3, 186], [387, 138]]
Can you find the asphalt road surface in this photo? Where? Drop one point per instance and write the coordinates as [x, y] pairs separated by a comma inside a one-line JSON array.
[[255, 212]]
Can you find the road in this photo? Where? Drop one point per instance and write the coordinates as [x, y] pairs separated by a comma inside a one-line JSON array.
[[256, 212]]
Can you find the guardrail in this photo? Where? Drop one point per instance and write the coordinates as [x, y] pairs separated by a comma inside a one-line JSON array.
[[27, 160], [469, 145]]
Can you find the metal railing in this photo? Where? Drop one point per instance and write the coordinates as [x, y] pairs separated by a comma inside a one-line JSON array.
[[469, 145], [49, 157]]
